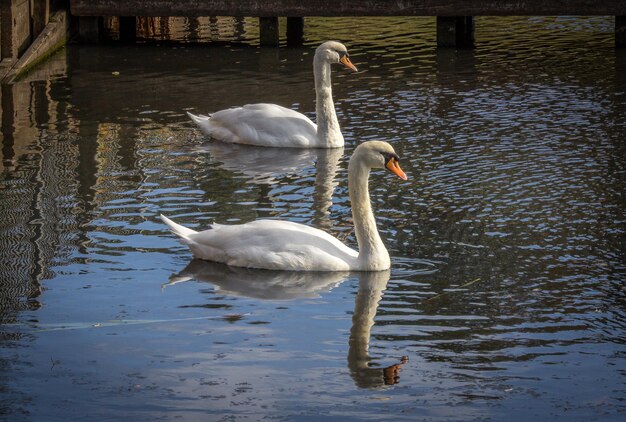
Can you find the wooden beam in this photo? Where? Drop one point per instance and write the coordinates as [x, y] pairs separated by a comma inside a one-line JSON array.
[[268, 31], [40, 15], [15, 26], [295, 31], [269, 8], [455, 32], [89, 29], [128, 29], [465, 32], [53, 37]]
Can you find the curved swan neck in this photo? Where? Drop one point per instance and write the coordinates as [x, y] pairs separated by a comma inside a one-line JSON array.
[[328, 130], [373, 255]]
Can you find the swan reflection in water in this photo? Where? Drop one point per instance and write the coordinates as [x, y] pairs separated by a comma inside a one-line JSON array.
[[264, 165], [286, 285], [371, 288], [259, 284]]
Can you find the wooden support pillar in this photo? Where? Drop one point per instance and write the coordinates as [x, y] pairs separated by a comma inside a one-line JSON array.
[[295, 31], [6, 25], [15, 27], [455, 31], [40, 15], [620, 31], [89, 29], [268, 31], [128, 29]]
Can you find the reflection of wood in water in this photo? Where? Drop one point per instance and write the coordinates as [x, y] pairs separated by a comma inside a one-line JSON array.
[[194, 29], [152, 27], [32, 151]]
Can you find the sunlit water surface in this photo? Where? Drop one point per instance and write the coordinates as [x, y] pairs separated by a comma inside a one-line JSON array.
[[506, 292]]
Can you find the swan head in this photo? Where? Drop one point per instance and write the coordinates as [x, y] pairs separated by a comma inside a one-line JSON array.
[[379, 155], [335, 52]]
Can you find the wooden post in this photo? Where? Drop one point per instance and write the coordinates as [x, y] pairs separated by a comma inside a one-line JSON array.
[[15, 27], [89, 29], [6, 48], [268, 31], [295, 31], [128, 29], [455, 31], [465, 32], [40, 15], [620, 31]]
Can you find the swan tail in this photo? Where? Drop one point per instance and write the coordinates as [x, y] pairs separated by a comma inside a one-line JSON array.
[[199, 118], [213, 129], [177, 229]]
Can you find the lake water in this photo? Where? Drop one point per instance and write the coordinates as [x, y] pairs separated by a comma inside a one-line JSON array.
[[505, 300]]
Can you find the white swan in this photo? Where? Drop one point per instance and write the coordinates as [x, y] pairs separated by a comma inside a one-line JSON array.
[[284, 245], [271, 125]]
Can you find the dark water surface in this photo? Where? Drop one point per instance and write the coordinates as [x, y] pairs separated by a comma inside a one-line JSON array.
[[506, 291]]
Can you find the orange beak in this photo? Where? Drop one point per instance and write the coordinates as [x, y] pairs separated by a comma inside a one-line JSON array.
[[394, 166], [347, 63]]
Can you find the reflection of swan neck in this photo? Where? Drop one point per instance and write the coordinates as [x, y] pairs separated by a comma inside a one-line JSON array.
[[365, 306], [328, 129], [373, 255], [371, 288], [326, 169]]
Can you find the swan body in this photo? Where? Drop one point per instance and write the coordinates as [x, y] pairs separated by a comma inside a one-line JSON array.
[[271, 125], [262, 124], [285, 245]]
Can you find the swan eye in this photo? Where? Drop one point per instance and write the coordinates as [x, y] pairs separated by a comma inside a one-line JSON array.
[[390, 157], [344, 58], [392, 164]]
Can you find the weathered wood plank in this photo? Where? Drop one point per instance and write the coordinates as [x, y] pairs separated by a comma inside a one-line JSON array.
[[269, 8], [40, 11], [53, 37]]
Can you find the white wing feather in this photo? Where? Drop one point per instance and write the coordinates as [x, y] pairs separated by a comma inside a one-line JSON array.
[[268, 244]]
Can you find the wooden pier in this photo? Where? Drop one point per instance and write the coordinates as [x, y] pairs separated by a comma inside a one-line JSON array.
[[455, 23], [31, 29]]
